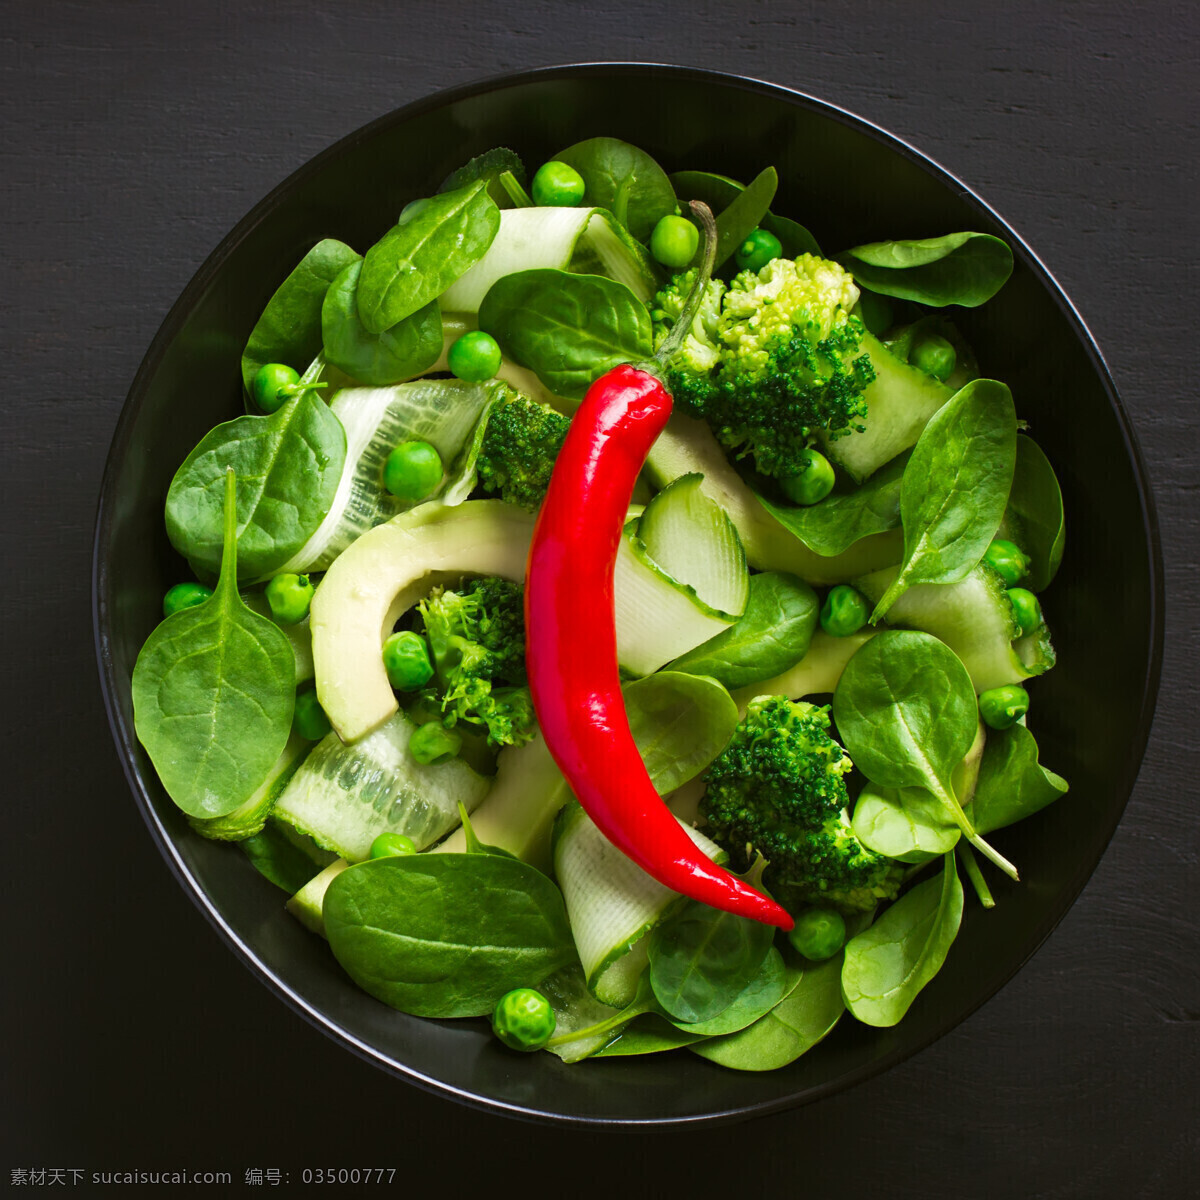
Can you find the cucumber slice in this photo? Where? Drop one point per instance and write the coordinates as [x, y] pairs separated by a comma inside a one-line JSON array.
[[343, 796], [612, 903], [688, 445], [582, 240], [307, 903], [974, 618], [443, 412], [900, 402], [691, 537]]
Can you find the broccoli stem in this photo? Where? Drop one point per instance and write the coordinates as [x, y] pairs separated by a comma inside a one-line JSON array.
[[975, 875]]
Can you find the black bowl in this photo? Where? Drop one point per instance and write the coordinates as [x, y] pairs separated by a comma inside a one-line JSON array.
[[850, 183]]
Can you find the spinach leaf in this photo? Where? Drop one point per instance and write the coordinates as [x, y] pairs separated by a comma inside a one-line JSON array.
[[289, 330], [955, 487], [446, 935], [909, 824], [719, 191], [418, 259], [623, 179], [396, 354], [701, 960], [288, 467], [959, 268], [1012, 783], [833, 525], [886, 966], [771, 636], [213, 692], [649, 1034], [1036, 504], [742, 216], [287, 858], [906, 711], [680, 723], [810, 1009], [488, 166], [758, 997], [568, 329]]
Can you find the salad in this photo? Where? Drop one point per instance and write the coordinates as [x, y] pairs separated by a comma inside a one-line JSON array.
[[612, 613]]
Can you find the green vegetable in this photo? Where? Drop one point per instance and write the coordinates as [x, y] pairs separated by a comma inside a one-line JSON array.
[[934, 355], [414, 262], [289, 597], [875, 313], [288, 859], [845, 611], [955, 488], [759, 248], [887, 965], [1035, 508], [771, 635], [184, 595], [474, 357], [413, 471], [392, 845], [521, 440], [812, 483], [623, 179], [819, 933], [739, 218], [407, 662], [289, 330], [568, 329], [287, 464], [433, 743], [1003, 706], [446, 935], [558, 185], [273, 384], [674, 242], [905, 708], [213, 691], [1007, 560], [955, 357], [959, 268], [396, 353], [1012, 784], [523, 1018], [491, 166], [309, 719], [1027, 612], [779, 788]]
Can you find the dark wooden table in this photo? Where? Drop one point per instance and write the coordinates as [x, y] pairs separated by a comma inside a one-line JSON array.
[[135, 135]]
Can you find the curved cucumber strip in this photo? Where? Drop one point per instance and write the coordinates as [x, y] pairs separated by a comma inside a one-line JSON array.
[[688, 445], [582, 240], [343, 796], [443, 412], [974, 618]]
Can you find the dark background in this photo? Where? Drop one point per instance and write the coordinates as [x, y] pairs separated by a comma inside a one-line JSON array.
[[135, 135]]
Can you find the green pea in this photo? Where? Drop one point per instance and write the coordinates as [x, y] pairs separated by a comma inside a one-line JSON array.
[[309, 719], [813, 483], [474, 357], [1003, 706], [524, 1020], [933, 355], [184, 595], [674, 241], [433, 743], [759, 248], [819, 933], [1008, 560], [272, 384], [557, 184], [845, 611], [290, 597], [406, 661], [392, 845], [1026, 609], [412, 471], [875, 312]]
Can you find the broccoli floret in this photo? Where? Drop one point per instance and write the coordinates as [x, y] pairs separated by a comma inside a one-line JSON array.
[[788, 364], [478, 640], [779, 789], [521, 440], [700, 351]]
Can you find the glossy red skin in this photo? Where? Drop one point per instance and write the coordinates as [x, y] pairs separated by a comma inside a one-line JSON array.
[[571, 642]]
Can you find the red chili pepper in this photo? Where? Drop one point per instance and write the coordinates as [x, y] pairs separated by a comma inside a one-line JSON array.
[[571, 644]]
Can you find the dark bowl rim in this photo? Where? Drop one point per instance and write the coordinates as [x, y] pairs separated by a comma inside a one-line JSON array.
[[123, 735]]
